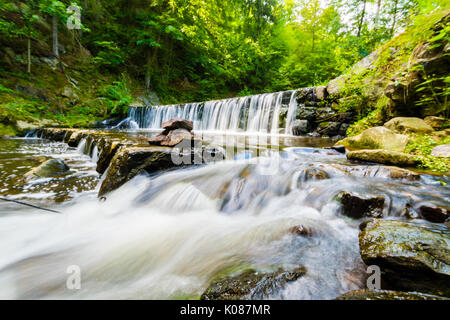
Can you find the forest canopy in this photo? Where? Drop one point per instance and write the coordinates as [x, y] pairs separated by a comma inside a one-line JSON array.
[[201, 49]]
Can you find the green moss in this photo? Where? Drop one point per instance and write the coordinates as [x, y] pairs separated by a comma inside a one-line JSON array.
[[421, 146]]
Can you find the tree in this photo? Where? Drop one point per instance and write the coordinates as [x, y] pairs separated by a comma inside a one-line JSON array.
[[57, 11]]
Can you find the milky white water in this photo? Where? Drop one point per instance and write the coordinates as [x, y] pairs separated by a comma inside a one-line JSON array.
[[168, 236]]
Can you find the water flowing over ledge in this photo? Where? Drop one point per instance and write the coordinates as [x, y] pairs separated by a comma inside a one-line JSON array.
[[272, 113]]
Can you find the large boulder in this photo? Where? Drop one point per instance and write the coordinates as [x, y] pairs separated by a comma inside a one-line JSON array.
[[358, 206], [383, 157], [178, 123], [434, 213], [251, 284], [411, 256], [376, 138], [387, 295], [130, 162], [408, 125], [50, 168]]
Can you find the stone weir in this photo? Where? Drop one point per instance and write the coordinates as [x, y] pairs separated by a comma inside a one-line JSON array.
[[306, 111], [121, 158]]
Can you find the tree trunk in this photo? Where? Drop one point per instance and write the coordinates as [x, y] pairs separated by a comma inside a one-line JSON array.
[[55, 36], [377, 15], [362, 19], [29, 56], [394, 18]]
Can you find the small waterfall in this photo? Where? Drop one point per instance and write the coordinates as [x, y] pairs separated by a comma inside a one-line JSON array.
[[82, 146], [263, 113], [291, 113]]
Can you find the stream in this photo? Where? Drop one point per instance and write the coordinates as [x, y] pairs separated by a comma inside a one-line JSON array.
[[167, 236]]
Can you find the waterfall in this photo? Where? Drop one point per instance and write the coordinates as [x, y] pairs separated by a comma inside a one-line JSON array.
[[263, 113]]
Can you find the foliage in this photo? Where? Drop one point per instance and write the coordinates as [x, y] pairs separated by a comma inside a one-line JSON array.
[[421, 147], [118, 98]]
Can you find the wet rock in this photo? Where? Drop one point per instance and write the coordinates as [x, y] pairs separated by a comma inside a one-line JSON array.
[[50, 168], [314, 174], [306, 113], [130, 162], [366, 294], [377, 171], [178, 123], [358, 206], [300, 127], [340, 149], [176, 136], [376, 138], [411, 256], [408, 125], [156, 141], [343, 129], [108, 149], [384, 157], [442, 151], [251, 284], [434, 213], [409, 212], [300, 231], [437, 123]]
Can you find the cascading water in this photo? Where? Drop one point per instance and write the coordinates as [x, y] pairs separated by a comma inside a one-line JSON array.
[[169, 236], [253, 114]]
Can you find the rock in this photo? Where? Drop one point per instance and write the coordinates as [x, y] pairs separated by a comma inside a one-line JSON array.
[[376, 138], [357, 206], [176, 136], [50, 168], [156, 141], [442, 134], [378, 171], [300, 231], [343, 129], [366, 294], [251, 284], [434, 213], [306, 113], [411, 256], [23, 126], [384, 157], [442, 151], [340, 149], [69, 93], [321, 92], [300, 127], [329, 128], [130, 162], [437, 123], [408, 125], [333, 87], [409, 212], [178, 123], [313, 174]]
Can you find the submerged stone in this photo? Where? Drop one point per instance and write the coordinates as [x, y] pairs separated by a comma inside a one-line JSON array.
[[50, 168], [411, 256]]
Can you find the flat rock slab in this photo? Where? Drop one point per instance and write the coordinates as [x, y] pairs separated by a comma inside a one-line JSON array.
[[376, 138], [408, 125], [411, 256], [384, 157]]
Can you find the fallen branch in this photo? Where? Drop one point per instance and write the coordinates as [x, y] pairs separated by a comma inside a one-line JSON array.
[[29, 205]]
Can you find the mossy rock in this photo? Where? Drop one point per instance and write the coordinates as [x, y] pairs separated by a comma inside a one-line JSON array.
[[411, 256], [251, 284], [50, 168], [383, 157], [376, 138], [408, 125]]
